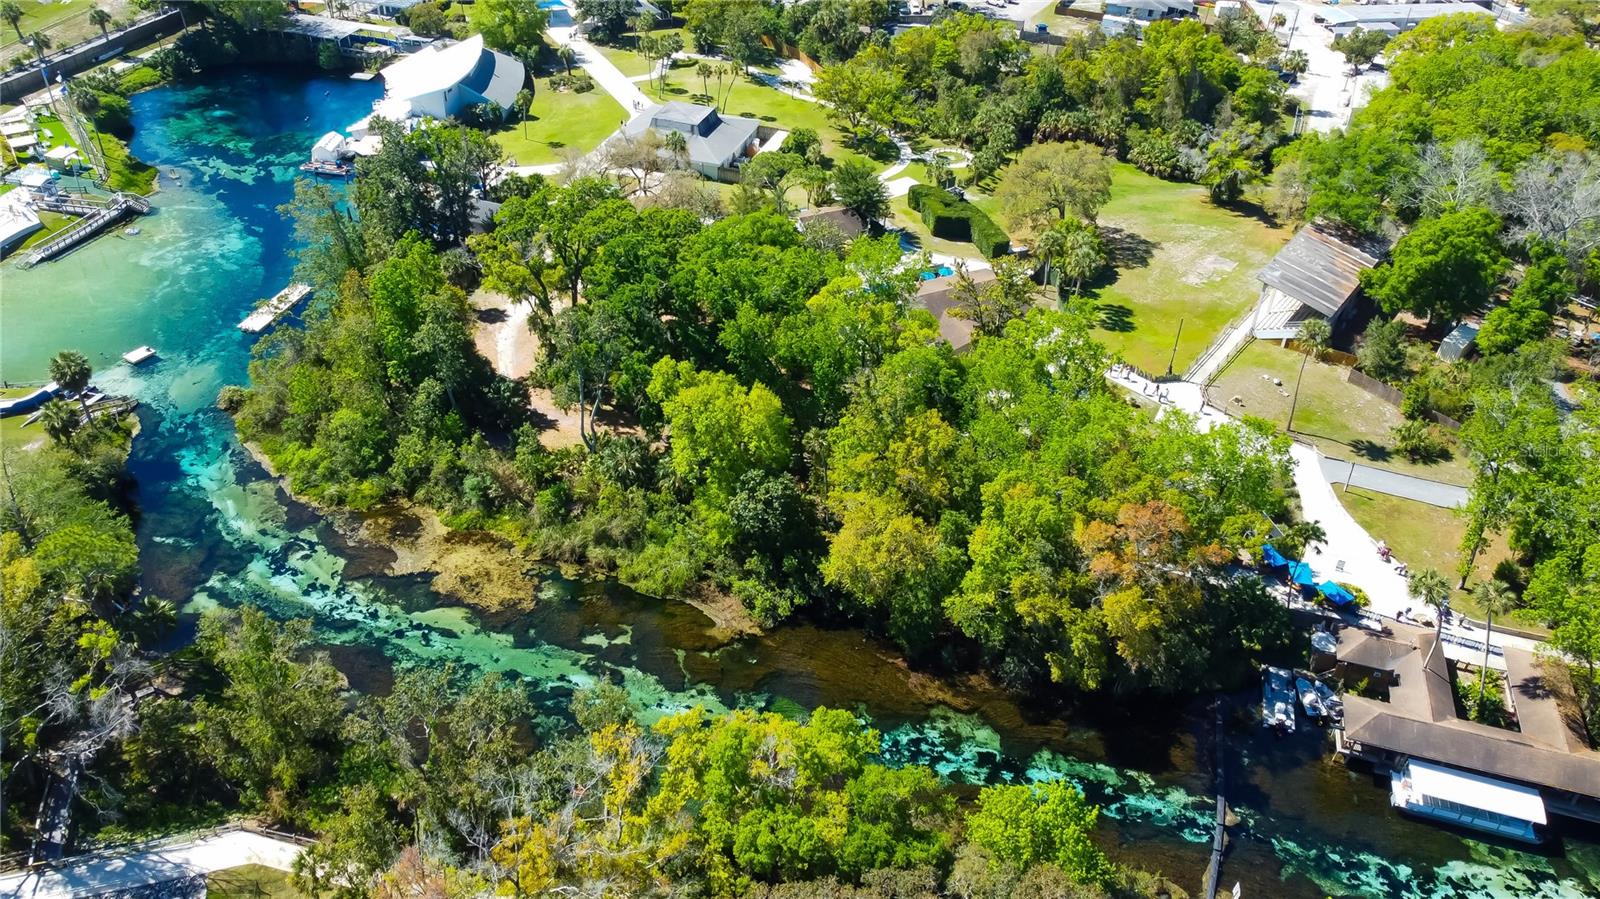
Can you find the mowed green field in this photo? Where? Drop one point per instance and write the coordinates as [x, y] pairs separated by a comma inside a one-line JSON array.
[[560, 121], [1343, 420], [1177, 258]]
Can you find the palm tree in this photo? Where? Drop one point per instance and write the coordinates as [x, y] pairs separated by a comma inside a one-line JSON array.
[[704, 71], [71, 371], [524, 104], [12, 13], [566, 55], [678, 146], [642, 22], [41, 43], [1496, 598], [60, 421], [157, 614], [1432, 589], [100, 18], [1316, 334]]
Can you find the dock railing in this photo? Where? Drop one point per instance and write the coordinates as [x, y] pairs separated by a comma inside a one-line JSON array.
[[96, 219]]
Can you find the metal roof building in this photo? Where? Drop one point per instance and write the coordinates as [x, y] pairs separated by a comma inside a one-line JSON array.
[[1315, 275], [441, 82]]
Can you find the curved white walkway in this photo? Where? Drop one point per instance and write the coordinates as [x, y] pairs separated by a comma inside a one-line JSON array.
[[102, 872]]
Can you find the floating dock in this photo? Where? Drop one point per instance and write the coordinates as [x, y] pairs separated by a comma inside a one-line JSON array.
[[139, 355], [274, 309]]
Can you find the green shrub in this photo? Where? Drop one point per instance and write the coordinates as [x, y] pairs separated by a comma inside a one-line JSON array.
[[954, 219], [114, 115], [988, 237]]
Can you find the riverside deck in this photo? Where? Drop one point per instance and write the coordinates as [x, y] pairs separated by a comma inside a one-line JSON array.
[[96, 218], [274, 309]]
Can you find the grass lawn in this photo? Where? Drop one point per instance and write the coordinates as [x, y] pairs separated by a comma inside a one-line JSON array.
[[52, 222], [1425, 536], [631, 62], [37, 15], [1176, 257], [251, 882], [12, 434], [560, 120], [57, 130], [1340, 418]]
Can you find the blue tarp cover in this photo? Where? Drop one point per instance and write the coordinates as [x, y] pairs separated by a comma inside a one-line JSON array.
[[1272, 557], [1336, 594], [1302, 574]]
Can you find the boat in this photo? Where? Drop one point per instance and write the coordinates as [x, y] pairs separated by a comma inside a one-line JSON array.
[[139, 355], [1330, 700], [1277, 699], [1309, 699], [131, 232], [1322, 641]]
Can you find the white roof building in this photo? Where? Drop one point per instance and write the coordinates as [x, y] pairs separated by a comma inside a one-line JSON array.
[[440, 82]]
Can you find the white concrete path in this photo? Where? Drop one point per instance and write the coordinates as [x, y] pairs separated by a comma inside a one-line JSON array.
[[1349, 554], [608, 76], [112, 870]]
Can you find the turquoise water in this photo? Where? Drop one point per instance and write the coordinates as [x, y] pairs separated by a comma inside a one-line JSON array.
[[215, 531]]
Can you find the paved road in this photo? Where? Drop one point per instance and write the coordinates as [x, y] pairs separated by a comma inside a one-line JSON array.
[[609, 77], [1445, 496], [105, 872], [1329, 93]]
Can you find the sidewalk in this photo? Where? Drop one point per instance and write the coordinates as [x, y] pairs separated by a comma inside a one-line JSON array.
[[608, 76], [1393, 483], [110, 871]]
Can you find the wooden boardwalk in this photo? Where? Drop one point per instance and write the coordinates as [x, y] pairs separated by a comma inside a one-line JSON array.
[[96, 218]]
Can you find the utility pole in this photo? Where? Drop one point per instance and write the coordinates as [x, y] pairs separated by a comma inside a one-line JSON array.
[[1296, 401], [1173, 358]]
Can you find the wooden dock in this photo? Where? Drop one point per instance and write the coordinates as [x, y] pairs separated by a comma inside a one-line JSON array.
[[274, 309]]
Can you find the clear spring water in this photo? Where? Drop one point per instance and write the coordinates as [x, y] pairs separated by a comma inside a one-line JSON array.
[[214, 530]]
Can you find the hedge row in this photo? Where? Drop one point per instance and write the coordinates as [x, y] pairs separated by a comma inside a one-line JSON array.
[[955, 219]]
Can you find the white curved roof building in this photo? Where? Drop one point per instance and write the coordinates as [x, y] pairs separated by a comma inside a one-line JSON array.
[[440, 82]]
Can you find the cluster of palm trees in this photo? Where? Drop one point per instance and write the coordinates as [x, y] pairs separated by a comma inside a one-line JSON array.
[[39, 41], [1493, 595], [63, 420]]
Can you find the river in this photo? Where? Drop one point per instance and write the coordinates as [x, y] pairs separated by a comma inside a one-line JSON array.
[[214, 529]]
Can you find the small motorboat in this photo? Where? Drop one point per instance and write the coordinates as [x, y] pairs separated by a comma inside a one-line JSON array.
[[139, 355], [1330, 700], [1309, 699], [1277, 699], [1322, 641]]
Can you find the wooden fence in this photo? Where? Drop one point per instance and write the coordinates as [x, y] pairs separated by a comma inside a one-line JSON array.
[[1396, 398]]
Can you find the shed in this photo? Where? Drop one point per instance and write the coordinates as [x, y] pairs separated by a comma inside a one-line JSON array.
[[848, 223], [1458, 342]]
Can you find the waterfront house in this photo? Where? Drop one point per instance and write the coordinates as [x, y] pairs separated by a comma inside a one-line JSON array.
[[441, 82], [1315, 275], [717, 144], [1446, 768]]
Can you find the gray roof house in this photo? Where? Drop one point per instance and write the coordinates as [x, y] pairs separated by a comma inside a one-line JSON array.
[[1131, 16], [1315, 275], [716, 142]]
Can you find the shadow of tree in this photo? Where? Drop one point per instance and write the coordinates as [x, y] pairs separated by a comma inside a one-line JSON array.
[[1127, 249], [491, 316], [1114, 317], [1367, 449]]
